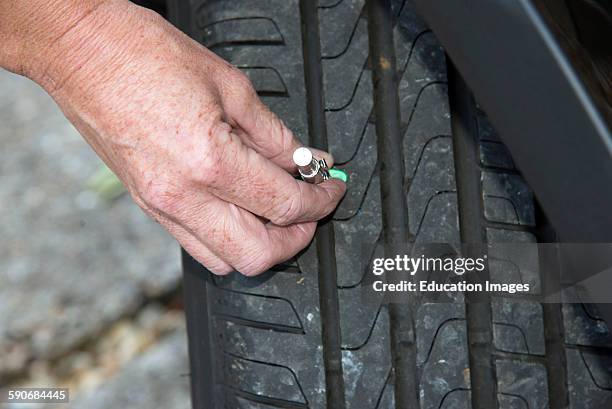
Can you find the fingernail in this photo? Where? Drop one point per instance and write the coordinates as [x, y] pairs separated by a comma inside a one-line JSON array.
[[336, 173]]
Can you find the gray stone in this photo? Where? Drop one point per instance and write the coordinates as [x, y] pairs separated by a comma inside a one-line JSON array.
[[157, 379]]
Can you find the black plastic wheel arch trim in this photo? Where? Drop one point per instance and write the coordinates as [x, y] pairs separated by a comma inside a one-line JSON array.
[[535, 98], [541, 104]]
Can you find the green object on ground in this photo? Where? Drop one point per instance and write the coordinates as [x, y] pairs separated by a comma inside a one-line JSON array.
[[338, 174], [106, 184]]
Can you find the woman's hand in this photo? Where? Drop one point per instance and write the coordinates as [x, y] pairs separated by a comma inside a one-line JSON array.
[[184, 131]]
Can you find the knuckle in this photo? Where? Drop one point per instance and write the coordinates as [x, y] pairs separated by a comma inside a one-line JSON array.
[[235, 83], [206, 167], [242, 82], [159, 195]]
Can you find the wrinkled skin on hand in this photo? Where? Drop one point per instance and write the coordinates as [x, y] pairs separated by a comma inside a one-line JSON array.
[[188, 136]]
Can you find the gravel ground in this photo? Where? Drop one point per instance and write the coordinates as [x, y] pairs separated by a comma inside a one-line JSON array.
[[157, 379], [72, 265]]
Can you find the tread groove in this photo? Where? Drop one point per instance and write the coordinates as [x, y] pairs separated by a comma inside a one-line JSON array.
[[348, 43], [422, 152], [370, 332], [438, 329], [325, 241], [605, 351], [259, 325], [394, 207], [363, 198], [246, 43], [363, 275], [429, 200], [590, 371], [236, 356], [353, 92], [447, 394], [509, 226], [519, 397], [472, 226], [519, 329], [382, 391], [556, 361], [279, 403], [519, 357]]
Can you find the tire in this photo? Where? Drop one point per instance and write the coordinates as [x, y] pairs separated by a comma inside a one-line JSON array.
[[300, 336]]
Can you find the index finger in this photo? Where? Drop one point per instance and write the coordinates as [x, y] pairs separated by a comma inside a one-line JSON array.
[[260, 128]]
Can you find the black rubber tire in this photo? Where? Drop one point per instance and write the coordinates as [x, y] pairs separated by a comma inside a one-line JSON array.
[[300, 336]]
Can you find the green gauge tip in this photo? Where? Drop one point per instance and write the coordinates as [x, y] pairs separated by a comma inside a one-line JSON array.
[[336, 173]]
